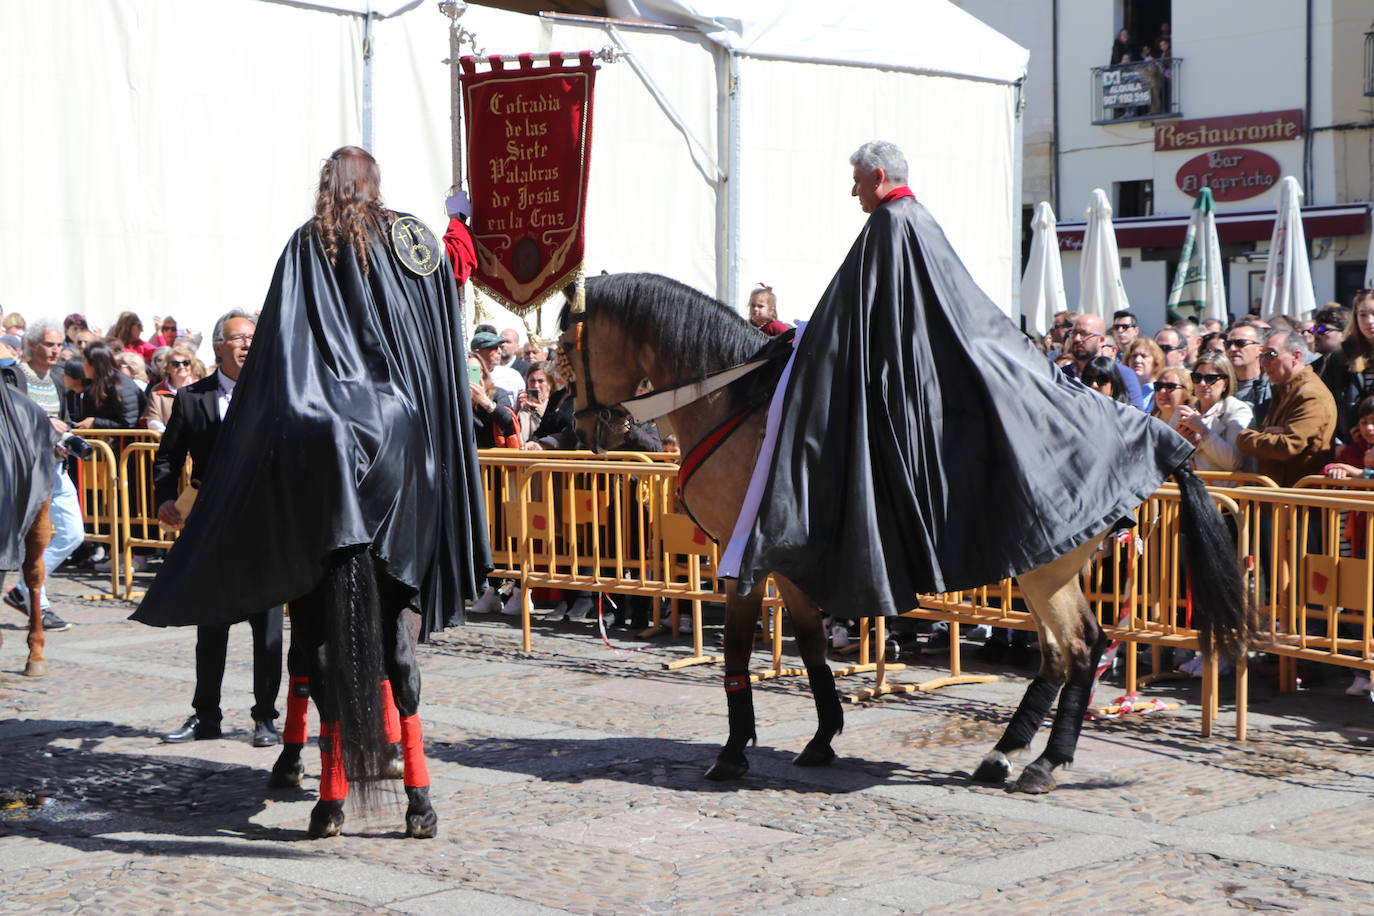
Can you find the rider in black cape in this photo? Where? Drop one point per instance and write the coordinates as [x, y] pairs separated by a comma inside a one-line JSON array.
[[924, 444], [350, 429], [26, 467]]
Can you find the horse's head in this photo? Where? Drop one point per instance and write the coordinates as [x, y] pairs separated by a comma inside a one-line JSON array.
[[597, 360]]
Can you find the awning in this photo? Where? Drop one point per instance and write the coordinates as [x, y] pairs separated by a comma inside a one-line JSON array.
[[1327, 221]]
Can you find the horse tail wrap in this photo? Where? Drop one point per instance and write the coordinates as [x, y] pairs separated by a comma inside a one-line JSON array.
[[354, 659], [1221, 613]]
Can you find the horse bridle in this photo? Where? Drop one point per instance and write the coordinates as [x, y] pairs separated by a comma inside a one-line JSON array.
[[609, 417]]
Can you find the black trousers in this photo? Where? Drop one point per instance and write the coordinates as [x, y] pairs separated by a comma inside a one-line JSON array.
[[212, 643]]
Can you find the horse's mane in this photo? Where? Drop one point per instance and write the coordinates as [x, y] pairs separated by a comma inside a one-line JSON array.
[[692, 333]]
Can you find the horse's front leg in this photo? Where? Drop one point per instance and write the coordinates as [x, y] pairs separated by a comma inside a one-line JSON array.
[[814, 650], [289, 768], [741, 618], [35, 543]]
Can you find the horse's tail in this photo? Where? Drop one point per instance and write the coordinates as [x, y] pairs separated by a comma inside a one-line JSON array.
[[354, 659], [1223, 617]]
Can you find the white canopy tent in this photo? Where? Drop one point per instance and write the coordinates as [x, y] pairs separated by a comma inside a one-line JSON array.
[[173, 145]]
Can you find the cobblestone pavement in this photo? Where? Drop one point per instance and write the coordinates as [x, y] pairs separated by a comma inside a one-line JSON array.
[[569, 780]]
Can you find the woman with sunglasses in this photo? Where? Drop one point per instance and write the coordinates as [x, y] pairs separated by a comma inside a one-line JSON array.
[[1103, 375], [166, 335], [180, 373], [1350, 371], [1218, 418], [1173, 391]]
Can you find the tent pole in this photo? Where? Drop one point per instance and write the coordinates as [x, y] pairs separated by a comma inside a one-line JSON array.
[[730, 293], [367, 80]]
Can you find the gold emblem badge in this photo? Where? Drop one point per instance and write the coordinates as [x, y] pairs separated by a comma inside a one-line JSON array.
[[415, 246]]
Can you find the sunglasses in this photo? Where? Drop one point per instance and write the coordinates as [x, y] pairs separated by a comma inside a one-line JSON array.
[[1122, 327], [1269, 356], [179, 362], [1169, 348], [1167, 386], [1202, 379], [1085, 334], [1096, 380], [169, 327], [1062, 327], [1240, 342]]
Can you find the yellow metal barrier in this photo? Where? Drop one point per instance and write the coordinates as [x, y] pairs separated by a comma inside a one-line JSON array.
[[139, 526], [98, 493]]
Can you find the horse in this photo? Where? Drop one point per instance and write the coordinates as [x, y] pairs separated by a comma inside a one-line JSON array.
[[353, 632], [35, 543], [638, 327]]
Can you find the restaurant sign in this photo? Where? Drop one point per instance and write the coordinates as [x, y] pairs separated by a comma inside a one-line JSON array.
[[1233, 130], [1232, 174]]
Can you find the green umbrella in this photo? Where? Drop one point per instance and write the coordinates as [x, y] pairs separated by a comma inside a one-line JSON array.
[[1198, 284]]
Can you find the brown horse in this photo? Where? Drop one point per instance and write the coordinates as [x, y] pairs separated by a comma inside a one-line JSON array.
[[35, 542], [638, 327]]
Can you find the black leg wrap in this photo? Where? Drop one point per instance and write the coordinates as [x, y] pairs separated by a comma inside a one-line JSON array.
[[829, 718], [1028, 716], [1068, 722], [289, 768], [739, 698]]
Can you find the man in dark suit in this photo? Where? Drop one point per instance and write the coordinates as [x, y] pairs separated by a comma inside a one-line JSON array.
[[510, 352], [192, 428]]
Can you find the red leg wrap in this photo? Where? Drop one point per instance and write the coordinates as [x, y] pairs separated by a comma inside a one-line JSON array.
[[413, 751], [391, 718], [297, 710], [333, 783]]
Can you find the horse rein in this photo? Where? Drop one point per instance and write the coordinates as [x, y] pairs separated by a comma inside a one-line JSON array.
[[608, 416]]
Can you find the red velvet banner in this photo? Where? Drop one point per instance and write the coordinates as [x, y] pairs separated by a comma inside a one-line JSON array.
[[529, 132]]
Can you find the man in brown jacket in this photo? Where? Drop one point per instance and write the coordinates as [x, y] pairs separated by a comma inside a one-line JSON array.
[[1296, 438]]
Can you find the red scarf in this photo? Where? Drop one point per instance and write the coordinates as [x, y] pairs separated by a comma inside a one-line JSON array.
[[896, 194]]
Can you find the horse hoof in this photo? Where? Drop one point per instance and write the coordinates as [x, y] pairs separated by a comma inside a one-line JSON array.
[[815, 755], [726, 769], [326, 820], [36, 669], [994, 769], [1034, 781], [421, 821], [395, 764], [286, 775]]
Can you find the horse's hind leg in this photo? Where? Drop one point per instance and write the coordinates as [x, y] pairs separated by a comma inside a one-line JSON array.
[[309, 648], [741, 616], [811, 645], [403, 675], [35, 543], [288, 770], [1070, 644]]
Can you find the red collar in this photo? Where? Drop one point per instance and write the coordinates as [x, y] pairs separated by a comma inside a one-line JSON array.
[[896, 194]]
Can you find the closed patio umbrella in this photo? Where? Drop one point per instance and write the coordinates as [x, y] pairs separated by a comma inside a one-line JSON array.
[[1042, 285], [1198, 283], [1288, 276], [1099, 273]]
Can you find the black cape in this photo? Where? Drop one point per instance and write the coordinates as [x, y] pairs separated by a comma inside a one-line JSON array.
[[925, 445], [27, 468], [350, 425]]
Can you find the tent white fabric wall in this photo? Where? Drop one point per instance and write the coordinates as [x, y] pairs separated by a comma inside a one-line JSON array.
[[159, 152]]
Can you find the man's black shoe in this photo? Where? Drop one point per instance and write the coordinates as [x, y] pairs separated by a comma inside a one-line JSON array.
[[265, 734], [192, 730]]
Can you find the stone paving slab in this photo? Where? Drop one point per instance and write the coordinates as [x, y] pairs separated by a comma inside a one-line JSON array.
[[570, 780]]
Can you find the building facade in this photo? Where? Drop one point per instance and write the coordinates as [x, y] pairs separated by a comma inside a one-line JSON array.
[[1205, 92]]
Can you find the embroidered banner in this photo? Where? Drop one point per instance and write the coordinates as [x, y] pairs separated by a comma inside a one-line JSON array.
[[529, 135]]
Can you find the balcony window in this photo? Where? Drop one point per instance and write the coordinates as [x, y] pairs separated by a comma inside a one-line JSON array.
[[1143, 91], [1369, 63]]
